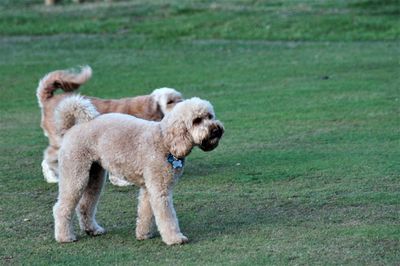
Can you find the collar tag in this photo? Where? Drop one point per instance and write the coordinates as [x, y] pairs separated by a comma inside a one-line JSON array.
[[175, 162]]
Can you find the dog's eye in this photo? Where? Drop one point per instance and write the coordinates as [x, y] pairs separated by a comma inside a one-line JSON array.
[[197, 121], [170, 102], [210, 116]]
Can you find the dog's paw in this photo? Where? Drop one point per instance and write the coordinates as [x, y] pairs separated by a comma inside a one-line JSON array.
[[96, 231], [48, 174], [176, 240], [141, 236], [67, 239]]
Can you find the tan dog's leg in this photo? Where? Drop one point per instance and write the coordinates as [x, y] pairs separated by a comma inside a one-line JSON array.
[[50, 164], [63, 212], [145, 218], [86, 209], [165, 215], [74, 179]]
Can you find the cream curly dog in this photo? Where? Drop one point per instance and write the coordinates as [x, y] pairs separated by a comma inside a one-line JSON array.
[[149, 107], [148, 154]]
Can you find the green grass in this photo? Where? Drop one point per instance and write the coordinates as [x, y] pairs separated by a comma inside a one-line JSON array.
[[307, 172], [262, 20]]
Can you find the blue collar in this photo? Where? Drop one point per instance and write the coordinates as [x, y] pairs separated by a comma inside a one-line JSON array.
[[175, 162]]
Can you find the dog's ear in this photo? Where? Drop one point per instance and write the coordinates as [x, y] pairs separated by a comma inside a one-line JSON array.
[[145, 107], [158, 109], [153, 110], [177, 138]]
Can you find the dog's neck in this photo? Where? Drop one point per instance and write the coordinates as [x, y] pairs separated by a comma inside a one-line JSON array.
[[176, 163]]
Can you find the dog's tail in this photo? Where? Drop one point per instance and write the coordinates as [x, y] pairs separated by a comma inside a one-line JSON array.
[[73, 110], [67, 80]]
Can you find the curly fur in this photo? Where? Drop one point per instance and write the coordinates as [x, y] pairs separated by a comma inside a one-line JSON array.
[[136, 149], [67, 80], [73, 110], [149, 107]]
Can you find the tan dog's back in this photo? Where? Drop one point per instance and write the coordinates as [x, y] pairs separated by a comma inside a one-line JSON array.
[[140, 106]]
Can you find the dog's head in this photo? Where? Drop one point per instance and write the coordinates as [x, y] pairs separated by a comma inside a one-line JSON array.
[[166, 99], [191, 123]]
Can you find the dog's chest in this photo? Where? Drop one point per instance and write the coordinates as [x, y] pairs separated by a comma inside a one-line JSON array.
[[136, 177], [176, 173]]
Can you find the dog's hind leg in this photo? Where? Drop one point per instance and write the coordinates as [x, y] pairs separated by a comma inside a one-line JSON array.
[[50, 164], [72, 184], [145, 218], [86, 209]]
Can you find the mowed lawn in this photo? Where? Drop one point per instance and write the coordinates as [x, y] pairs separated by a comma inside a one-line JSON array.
[[309, 92]]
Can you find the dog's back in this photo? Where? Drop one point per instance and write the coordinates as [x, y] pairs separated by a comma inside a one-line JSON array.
[[143, 106], [74, 112]]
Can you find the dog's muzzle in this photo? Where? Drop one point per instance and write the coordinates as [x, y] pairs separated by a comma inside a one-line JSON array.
[[211, 142]]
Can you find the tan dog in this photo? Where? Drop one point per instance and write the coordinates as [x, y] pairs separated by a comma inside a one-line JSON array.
[[149, 107], [149, 154]]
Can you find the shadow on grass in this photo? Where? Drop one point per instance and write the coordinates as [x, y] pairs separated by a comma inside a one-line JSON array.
[[235, 214]]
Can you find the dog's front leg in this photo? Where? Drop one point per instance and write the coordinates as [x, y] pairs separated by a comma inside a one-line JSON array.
[[164, 212], [145, 217]]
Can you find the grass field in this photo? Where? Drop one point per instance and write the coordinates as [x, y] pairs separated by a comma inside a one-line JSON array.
[[309, 93]]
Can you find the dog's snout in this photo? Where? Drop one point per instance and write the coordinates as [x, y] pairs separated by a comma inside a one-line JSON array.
[[217, 132]]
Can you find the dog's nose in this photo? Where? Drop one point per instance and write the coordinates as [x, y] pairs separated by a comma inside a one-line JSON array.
[[217, 132]]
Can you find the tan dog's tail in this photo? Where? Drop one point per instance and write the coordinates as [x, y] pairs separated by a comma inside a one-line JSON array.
[[67, 80], [73, 110]]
